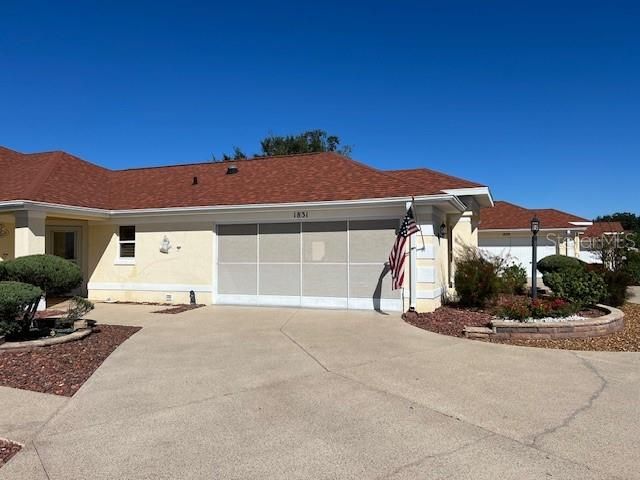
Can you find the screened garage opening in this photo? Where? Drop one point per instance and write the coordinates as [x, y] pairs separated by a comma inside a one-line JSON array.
[[336, 264]]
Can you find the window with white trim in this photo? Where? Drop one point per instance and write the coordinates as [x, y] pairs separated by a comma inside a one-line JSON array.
[[127, 241]]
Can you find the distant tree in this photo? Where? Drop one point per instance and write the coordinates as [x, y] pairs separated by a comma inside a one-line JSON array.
[[306, 142], [237, 154], [630, 221]]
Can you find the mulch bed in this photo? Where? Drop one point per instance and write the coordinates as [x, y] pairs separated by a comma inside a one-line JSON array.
[[179, 308], [448, 320], [626, 340], [7, 450], [451, 321], [61, 369]]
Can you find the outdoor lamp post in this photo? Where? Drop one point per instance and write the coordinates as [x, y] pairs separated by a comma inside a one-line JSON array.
[[535, 228]]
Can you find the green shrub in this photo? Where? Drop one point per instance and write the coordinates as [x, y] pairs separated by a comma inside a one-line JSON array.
[[18, 305], [513, 280], [52, 274], [78, 308], [632, 267], [576, 285], [476, 278], [617, 284], [556, 263], [3, 271]]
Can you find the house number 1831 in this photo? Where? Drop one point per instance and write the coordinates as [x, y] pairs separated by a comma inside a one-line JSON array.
[[301, 214]]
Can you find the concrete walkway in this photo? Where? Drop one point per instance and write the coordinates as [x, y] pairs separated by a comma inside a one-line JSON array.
[[634, 294], [247, 393]]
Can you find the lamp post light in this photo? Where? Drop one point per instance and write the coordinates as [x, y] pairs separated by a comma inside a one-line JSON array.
[[535, 228]]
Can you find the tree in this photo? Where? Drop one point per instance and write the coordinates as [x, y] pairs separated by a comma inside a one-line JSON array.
[[629, 221], [307, 142], [237, 154]]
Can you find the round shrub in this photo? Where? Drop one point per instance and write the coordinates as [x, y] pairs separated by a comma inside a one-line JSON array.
[[52, 274], [577, 286], [18, 304], [556, 263]]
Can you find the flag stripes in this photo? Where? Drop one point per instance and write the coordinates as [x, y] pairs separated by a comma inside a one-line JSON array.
[[397, 255]]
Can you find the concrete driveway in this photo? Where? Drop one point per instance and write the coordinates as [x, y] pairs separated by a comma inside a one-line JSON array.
[[247, 393]]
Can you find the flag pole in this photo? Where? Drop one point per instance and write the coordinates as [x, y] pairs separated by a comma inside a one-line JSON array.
[[412, 262]]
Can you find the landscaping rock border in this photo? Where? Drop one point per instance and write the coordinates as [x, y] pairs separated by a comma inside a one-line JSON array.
[[611, 322]]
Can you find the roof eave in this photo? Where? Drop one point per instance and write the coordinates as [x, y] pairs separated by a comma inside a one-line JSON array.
[[482, 195]]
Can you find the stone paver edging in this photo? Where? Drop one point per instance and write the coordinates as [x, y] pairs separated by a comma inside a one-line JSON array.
[[45, 342], [611, 322]]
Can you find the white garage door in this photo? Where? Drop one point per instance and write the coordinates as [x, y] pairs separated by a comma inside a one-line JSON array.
[[315, 264], [518, 249]]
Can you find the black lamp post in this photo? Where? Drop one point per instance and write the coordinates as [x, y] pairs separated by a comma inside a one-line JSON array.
[[535, 228]]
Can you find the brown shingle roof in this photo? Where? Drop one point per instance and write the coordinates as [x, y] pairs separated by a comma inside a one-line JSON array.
[[433, 180], [601, 228], [57, 177], [505, 215]]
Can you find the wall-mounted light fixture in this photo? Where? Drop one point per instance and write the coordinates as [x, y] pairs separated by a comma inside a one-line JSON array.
[[442, 233]]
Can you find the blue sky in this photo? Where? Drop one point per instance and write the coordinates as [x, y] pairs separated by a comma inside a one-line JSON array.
[[539, 100]]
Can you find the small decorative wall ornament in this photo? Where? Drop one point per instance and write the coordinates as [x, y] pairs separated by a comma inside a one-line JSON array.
[[4, 231], [165, 246]]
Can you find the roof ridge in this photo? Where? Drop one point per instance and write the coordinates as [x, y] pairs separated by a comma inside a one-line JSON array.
[[218, 162], [378, 170]]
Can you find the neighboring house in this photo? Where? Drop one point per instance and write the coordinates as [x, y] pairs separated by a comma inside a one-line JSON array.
[[302, 230], [593, 239], [505, 230]]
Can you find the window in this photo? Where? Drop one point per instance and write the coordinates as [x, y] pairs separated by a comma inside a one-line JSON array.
[[127, 240]]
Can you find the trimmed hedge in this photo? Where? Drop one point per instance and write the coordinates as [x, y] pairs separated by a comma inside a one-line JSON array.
[[18, 305], [54, 275], [556, 263], [576, 285]]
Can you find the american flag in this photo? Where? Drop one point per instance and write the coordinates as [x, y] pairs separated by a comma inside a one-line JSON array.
[[396, 258]]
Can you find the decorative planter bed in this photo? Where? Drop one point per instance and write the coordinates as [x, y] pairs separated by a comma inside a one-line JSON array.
[[611, 322], [45, 342]]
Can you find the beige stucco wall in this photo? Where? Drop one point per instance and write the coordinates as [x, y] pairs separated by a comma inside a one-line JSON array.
[[187, 266], [7, 247], [433, 273]]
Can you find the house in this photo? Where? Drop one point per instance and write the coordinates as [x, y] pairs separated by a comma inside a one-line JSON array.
[[595, 236], [310, 230], [505, 230]]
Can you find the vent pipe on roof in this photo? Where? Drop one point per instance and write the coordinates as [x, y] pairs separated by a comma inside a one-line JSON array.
[[232, 168], [195, 181]]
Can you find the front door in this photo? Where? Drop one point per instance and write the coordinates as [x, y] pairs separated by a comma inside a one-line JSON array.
[[66, 242]]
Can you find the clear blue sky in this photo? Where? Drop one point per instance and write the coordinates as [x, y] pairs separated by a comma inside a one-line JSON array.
[[539, 100]]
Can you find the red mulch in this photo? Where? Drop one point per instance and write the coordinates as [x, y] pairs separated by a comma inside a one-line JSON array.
[[448, 320], [179, 308], [61, 369], [7, 450]]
